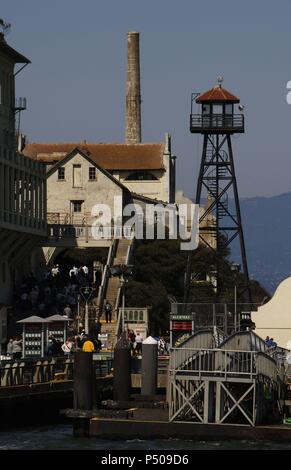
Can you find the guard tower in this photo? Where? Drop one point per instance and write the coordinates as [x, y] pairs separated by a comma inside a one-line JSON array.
[[217, 121]]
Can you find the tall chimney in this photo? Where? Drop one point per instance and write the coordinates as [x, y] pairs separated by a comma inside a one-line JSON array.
[[133, 99]]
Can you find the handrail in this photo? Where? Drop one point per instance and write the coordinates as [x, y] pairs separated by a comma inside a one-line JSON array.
[[217, 121], [81, 231], [222, 362], [105, 275], [84, 231], [127, 258], [43, 370]]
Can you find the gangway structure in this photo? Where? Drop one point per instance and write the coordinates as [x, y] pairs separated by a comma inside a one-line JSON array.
[[234, 383]]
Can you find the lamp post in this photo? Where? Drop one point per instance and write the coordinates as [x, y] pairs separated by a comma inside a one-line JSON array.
[[235, 268]]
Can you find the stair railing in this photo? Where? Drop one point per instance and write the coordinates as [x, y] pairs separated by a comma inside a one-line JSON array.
[[106, 275], [121, 286]]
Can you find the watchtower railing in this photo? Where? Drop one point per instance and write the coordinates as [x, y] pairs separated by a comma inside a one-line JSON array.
[[216, 123], [220, 363]]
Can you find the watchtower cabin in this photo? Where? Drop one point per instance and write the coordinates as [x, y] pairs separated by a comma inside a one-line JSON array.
[[220, 115], [217, 112]]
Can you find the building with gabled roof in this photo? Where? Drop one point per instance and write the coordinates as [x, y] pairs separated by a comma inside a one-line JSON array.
[[147, 169]]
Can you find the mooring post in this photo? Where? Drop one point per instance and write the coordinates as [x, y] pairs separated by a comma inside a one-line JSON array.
[[149, 366], [84, 381], [84, 390], [122, 369]]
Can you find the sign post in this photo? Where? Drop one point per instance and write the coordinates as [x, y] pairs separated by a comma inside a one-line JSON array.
[[181, 323], [86, 292]]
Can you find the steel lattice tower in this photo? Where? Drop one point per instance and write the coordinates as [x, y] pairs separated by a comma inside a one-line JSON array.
[[217, 180]]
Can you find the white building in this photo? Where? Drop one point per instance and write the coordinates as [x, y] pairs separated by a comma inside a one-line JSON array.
[[146, 169], [274, 318]]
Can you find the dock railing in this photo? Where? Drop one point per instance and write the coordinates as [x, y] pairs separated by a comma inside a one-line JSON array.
[[219, 363], [45, 370]]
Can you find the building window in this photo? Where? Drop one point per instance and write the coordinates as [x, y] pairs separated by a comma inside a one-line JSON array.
[[77, 206], [92, 173], [141, 176], [61, 173]]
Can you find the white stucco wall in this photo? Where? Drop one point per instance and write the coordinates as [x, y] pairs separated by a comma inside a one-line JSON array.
[[274, 318], [156, 189], [61, 193]]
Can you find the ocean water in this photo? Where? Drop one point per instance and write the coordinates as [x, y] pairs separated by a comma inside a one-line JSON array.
[[59, 437]]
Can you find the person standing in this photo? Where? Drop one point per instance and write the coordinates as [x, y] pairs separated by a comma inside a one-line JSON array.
[[88, 345], [68, 311], [85, 270], [67, 347], [9, 351], [73, 272], [138, 341], [17, 348], [108, 311]]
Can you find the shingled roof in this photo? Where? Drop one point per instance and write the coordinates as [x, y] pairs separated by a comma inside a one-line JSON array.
[[108, 156], [217, 94]]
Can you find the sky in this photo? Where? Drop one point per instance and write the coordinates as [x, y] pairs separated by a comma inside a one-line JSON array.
[[75, 85]]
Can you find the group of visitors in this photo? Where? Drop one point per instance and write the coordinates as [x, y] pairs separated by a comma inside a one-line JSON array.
[[135, 341], [77, 342], [46, 297], [14, 348], [270, 342]]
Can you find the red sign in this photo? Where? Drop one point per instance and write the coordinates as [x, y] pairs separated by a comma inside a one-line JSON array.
[[182, 325]]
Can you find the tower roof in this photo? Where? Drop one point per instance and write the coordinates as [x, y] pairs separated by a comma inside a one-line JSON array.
[[12, 53], [217, 94]]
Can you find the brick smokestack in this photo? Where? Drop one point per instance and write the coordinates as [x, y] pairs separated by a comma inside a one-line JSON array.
[[133, 98]]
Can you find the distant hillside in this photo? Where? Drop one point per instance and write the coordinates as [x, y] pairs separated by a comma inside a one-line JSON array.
[[267, 229]]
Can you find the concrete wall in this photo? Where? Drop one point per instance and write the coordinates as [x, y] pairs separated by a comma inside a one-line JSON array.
[[164, 187], [274, 318], [150, 188]]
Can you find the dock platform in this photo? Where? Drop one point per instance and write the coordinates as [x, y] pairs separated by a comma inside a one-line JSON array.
[[154, 424]]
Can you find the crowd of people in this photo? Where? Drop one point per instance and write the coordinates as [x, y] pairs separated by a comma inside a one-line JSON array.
[[77, 342], [57, 291], [136, 341], [54, 293]]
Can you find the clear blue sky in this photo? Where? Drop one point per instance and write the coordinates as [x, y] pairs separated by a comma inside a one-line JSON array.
[[75, 86]]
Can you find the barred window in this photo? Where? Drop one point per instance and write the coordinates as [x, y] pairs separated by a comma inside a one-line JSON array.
[[61, 173], [92, 173], [77, 206]]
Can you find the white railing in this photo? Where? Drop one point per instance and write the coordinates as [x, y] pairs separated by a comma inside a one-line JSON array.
[[87, 232], [222, 363], [127, 259], [105, 276]]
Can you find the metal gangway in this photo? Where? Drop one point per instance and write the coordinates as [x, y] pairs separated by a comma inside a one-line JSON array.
[[234, 382]]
